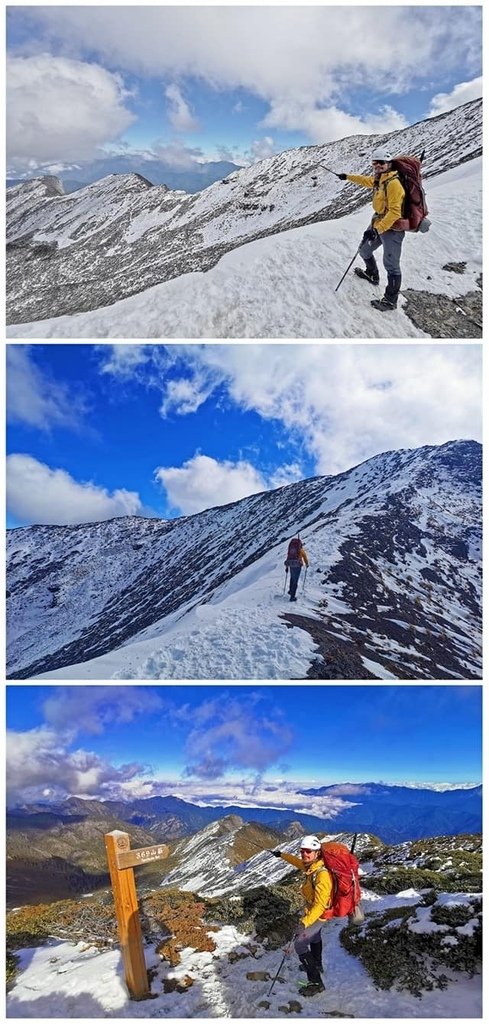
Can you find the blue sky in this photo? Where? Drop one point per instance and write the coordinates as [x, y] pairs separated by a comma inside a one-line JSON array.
[[98, 431], [191, 84], [243, 742]]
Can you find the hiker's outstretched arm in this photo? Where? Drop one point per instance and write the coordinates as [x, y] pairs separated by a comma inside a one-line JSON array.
[[296, 861], [367, 180]]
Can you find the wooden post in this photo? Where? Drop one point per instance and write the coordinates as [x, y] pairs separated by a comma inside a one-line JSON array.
[[126, 909]]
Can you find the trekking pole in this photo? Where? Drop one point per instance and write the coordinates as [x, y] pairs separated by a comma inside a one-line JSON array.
[[348, 267], [352, 847], [285, 580], [329, 169], [304, 580], [286, 954]]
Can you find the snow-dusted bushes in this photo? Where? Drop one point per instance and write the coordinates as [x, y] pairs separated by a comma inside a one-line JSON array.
[[269, 912], [411, 948], [395, 879]]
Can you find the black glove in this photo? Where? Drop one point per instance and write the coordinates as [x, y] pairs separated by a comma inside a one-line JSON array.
[[275, 853], [342, 177], [370, 235]]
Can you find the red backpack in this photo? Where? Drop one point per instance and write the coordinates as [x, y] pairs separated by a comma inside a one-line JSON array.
[[414, 208], [294, 547], [343, 866]]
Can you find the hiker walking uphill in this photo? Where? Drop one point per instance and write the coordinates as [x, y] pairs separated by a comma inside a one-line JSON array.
[[387, 201], [296, 558]]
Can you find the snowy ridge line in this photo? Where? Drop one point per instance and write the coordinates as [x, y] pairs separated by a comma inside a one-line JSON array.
[[393, 591]]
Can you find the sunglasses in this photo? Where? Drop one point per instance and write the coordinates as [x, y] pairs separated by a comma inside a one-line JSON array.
[[379, 162], [303, 850]]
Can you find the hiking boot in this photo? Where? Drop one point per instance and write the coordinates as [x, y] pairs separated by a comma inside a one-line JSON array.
[[389, 299], [373, 278], [313, 988], [383, 304], [371, 272], [293, 599]]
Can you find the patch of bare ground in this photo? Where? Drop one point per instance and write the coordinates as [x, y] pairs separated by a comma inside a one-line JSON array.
[[442, 317]]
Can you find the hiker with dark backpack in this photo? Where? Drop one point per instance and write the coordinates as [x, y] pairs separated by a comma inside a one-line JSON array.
[[399, 206], [296, 558], [331, 889]]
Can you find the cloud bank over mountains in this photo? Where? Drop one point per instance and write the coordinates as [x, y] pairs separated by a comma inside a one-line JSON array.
[[223, 746]]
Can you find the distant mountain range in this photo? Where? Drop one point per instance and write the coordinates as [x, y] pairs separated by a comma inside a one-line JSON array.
[[156, 172], [121, 235], [58, 850], [395, 551]]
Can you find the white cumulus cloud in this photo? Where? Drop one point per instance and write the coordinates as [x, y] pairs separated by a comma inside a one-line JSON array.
[[36, 493], [349, 402], [302, 61], [203, 482], [179, 113], [325, 124], [41, 763], [462, 93], [60, 109]]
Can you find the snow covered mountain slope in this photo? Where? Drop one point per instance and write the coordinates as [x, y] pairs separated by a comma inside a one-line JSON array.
[[86, 251], [393, 590], [207, 862]]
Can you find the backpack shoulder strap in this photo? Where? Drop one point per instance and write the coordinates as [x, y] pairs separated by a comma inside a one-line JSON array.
[[313, 874], [395, 177]]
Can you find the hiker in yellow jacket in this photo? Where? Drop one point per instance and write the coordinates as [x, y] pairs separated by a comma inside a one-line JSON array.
[[317, 890], [387, 200]]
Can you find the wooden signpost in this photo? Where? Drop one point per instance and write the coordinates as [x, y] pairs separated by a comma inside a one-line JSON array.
[[122, 860]]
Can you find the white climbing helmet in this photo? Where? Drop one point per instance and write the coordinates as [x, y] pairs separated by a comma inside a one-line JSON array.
[[310, 843], [382, 154]]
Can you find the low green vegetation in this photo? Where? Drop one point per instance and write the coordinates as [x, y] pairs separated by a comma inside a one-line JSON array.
[[12, 964]]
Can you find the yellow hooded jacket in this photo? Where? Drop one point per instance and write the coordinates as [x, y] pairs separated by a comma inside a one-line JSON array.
[[387, 199], [317, 888], [303, 556]]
